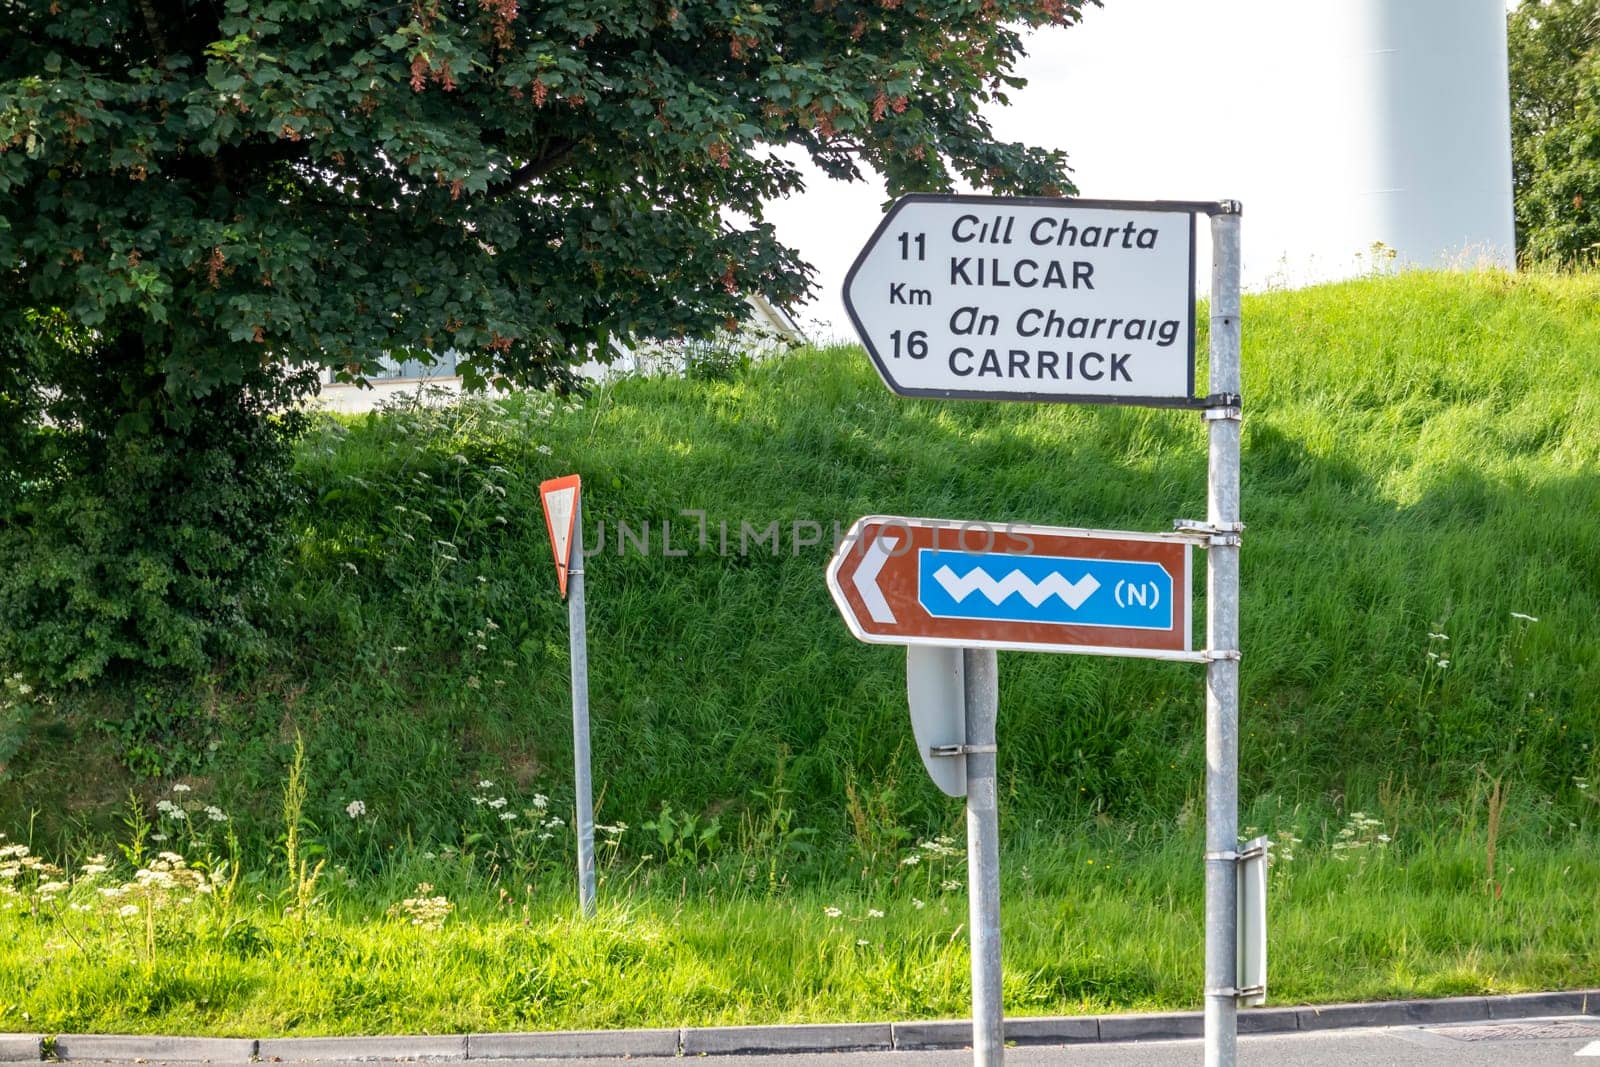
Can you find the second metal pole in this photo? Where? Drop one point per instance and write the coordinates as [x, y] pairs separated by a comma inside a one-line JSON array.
[[577, 624], [1222, 639], [983, 857]]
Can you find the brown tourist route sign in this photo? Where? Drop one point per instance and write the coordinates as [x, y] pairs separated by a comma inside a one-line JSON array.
[[903, 581]]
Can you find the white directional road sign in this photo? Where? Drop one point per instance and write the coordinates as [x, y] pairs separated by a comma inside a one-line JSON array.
[[1030, 299]]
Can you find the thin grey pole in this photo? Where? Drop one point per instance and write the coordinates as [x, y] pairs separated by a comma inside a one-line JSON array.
[[983, 857], [582, 786], [1222, 639]]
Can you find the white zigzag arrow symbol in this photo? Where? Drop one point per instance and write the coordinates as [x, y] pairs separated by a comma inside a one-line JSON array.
[[1035, 593]]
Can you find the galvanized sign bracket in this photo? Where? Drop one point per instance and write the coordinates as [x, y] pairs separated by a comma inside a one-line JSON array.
[[959, 750], [1225, 534]]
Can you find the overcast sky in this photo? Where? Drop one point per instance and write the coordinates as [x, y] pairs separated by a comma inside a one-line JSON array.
[[1161, 99]]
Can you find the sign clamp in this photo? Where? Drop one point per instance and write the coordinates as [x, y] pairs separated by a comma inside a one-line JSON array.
[[1212, 533], [1238, 855], [960, 750], [1237, 992]]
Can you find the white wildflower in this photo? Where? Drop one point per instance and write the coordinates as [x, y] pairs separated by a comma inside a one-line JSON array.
[[874, 913], [181, 788], [832, 912], [355, 809]]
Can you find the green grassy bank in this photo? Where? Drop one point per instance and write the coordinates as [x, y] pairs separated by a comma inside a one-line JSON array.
[[1421, 590], [1098, 923]]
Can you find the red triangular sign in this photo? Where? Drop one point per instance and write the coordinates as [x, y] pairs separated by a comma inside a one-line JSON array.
[[560, 499]]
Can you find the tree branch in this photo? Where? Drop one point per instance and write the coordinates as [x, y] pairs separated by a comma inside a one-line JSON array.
[[553, 158], [152, 27]]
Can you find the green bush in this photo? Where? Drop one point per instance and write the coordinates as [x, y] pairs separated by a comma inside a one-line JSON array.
[[131, 539]]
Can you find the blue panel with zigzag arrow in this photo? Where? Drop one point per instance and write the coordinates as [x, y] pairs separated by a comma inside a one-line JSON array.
[[1044, 589]]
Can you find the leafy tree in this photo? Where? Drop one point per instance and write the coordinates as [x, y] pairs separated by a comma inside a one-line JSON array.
[[204, 201], [230, 183], [1555, 126]]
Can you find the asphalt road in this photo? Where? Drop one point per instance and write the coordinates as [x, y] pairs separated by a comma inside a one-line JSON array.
[[1573, 1041]]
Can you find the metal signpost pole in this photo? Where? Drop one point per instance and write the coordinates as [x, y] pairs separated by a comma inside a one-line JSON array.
[[982, 684], [1222, 641], [951, 296], [584, 803]]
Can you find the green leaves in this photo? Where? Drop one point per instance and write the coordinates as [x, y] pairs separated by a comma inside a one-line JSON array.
[[493, 154], [1555, 121], [211, 203]]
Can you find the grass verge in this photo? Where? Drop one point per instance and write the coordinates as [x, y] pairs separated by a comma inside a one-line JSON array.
[[1421, 588], [1091, 924]]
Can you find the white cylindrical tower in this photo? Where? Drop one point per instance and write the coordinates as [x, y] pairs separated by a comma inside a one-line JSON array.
[[1432, 129]]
